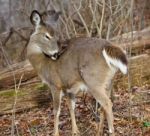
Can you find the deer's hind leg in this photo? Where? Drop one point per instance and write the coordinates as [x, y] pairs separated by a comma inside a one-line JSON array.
[[97, 87], [102, 113], [103, 99]]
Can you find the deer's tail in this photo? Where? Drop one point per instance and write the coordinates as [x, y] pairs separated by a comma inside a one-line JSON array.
[[115, 58]]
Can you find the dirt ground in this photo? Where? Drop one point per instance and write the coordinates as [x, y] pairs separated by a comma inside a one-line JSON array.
[[39, 121]]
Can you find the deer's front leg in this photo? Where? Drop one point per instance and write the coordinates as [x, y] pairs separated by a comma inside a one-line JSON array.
[[71, 105], [57, 95]]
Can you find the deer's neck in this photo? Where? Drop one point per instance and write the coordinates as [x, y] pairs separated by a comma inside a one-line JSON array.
[[37, 58]]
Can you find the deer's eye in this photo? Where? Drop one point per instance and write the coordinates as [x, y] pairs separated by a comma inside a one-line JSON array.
[[47, 37]]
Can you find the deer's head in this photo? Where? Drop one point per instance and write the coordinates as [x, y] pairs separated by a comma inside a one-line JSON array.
[[43, 37]]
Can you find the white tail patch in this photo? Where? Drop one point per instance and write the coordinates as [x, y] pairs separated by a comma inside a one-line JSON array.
[[114, 63]]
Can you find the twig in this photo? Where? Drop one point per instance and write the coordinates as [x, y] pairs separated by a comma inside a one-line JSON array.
[[86, 130], [102, 18], [14, 107], [73, 25], [80, 16], [110, 21], [94, 16], [8, 37], [67, 32], [129, 55], [78, 22], [24, 38]]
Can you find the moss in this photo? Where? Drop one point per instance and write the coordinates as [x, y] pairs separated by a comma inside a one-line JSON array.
[[7, 93], [42, 87], [11, 92]]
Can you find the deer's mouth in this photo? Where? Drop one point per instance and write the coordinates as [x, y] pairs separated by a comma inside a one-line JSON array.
[[53, 56]]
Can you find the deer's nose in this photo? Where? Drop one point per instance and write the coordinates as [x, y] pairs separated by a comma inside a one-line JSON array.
[[54, 56]]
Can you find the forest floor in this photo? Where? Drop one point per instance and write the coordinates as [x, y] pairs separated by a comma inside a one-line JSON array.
[[39, 121]]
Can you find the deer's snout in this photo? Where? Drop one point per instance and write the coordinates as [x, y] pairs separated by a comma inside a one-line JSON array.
[[54, 56], [53, 52]]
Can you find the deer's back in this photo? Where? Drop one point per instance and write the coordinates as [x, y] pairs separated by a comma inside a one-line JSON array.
[[82, 55]]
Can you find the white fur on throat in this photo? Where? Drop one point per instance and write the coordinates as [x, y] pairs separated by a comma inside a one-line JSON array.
[[114, 62]]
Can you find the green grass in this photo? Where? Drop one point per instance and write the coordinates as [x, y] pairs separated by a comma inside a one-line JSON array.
[[11, 92]]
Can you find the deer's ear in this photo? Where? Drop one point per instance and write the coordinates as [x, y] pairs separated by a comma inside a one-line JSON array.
[[35, 18]]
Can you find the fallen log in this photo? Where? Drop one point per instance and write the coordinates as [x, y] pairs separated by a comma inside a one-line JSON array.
[[24, 98], [138, 41], [132, 36], [137, 47], [16, 73], [139, 71]]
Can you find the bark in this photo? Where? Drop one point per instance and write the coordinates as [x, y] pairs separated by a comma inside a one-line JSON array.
[[139, 42], [16, 73], [135, 35], [27, 98]]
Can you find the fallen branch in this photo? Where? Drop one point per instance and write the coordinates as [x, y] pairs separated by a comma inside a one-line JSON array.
[[23, 68]]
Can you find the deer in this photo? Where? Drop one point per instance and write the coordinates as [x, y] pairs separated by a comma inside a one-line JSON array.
[[88, 64]]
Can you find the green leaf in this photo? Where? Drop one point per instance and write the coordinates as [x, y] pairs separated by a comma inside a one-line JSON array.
[[146, 124]]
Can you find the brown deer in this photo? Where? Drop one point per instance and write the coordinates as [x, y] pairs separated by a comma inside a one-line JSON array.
[[88, 64]]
